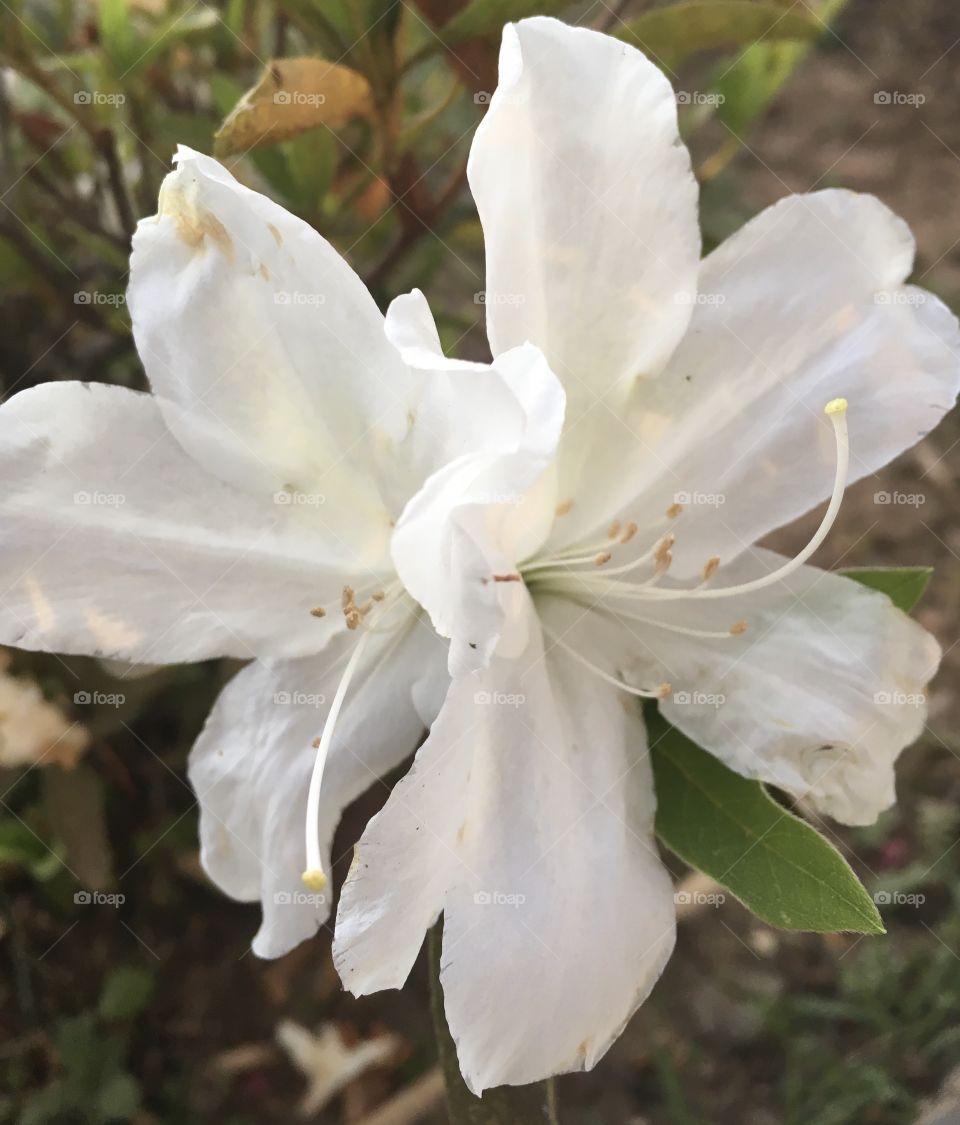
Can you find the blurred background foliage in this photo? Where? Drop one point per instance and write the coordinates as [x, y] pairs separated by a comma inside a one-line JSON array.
[[127, 991]]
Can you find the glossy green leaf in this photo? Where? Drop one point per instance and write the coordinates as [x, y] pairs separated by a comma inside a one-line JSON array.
[[903, 585], [731, 828], [671, 34]]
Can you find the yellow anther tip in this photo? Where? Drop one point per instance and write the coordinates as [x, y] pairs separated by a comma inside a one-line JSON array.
[[665, 690], [314, 879], [836, 406]]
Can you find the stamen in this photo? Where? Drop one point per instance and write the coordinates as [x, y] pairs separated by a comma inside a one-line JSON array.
[[673, 511], [836, 411], [661, 692], [314, 876], [318, 611], [603, 557], [562, 509], [685, 631], [711, 567], [629, 532], [614, 530]]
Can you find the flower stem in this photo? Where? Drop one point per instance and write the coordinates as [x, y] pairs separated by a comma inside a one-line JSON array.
[[505, 1105]]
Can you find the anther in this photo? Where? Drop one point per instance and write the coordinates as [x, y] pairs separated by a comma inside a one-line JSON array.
[[673, 511], [347, 598], [603, 557], [738, 628], [614, 530], [664, 691], [507, 578], [314, 879], [562, 509], [629, 532], [378, 595], [318, 611], [711, 567]]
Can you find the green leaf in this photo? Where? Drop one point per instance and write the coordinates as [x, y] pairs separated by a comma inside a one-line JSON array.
[[116, 33], [672, 34], [754, 80], [731, 829], [487, 17], [903, 585], [126, 993]]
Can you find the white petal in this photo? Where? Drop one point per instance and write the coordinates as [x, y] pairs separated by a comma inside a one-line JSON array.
[[251, 766], [486, 508], [264, 347], [803, 305], [527, 820], [818, 696], [588, 206], [118, 544]]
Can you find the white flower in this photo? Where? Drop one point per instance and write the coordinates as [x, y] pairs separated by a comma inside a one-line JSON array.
[[695, 425], [246, 509]]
